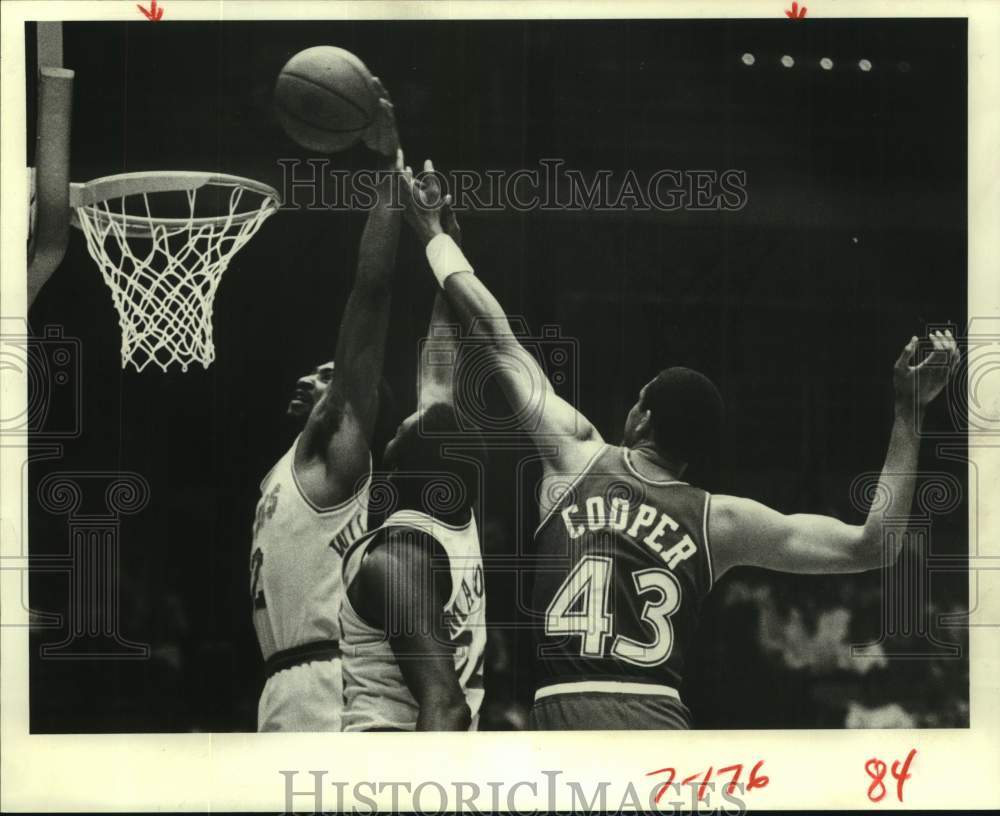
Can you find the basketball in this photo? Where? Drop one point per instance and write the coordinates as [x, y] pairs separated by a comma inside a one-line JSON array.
[[325, 98]]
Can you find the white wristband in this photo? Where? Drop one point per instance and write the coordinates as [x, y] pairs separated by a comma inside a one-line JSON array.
[[446, 258]]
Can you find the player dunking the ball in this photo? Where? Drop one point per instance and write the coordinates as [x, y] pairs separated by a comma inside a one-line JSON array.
[[314, 501], [628, 550]]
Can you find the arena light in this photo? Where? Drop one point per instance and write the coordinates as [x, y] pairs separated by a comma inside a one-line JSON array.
[[826, 63]]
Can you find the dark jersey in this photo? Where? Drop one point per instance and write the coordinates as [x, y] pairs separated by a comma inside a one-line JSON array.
[[623, 568]]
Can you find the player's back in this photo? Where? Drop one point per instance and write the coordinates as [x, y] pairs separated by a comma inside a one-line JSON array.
[[623, 568], [375, 691], [295, 584]]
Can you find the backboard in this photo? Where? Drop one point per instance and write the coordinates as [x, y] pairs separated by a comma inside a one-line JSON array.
[[48, 226]]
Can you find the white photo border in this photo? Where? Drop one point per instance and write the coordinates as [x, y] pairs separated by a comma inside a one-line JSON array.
[[240, 772]]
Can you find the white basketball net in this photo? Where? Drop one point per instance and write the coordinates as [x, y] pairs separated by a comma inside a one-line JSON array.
[[163, 272]]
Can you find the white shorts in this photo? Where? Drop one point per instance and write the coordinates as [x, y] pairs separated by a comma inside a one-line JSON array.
[[306, 697]]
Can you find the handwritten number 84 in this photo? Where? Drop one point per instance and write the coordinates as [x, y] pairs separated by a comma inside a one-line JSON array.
[[876, 769]]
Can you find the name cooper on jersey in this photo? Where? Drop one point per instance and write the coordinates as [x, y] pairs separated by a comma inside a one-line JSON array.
[[619, 516]]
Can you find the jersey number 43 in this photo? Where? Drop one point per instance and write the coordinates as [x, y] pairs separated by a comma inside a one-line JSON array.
[[581, 607]]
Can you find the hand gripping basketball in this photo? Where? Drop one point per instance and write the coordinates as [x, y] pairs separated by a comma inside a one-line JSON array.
[[327, 100]]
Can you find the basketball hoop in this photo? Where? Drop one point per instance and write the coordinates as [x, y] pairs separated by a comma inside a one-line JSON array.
[[163, 240]]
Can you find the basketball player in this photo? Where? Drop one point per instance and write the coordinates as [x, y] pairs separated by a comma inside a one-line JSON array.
[[314, 500], [414, 612], [630, 549]]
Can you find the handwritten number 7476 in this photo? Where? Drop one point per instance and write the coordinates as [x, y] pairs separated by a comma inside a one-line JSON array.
[[756, 780]]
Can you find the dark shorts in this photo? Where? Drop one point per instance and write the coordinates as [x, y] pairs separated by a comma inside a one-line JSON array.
[[593, 711]]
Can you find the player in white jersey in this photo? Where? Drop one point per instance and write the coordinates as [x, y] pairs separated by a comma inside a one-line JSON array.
[[414, 612], [428, 576], [314, 500]]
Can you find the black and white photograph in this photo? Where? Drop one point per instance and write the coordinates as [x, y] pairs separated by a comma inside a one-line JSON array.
[[500, 375]]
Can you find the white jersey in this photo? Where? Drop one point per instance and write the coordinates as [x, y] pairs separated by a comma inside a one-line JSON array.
[[295, 584], [375, 694]]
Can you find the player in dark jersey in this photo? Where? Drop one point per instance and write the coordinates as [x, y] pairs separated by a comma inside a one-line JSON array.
[[627, 550]]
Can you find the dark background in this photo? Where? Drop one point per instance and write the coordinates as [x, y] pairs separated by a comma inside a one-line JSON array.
[[852, 239]]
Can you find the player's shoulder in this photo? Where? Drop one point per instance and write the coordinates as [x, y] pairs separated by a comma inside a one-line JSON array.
[[400, 543], [727, 513], [585, 432], [335, 434], [576, 456], [734, 523], [561, 474], [398, 555], [333, 473], [285, 460]]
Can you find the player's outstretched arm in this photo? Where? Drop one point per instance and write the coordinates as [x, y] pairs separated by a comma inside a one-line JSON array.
[[402, 594], [436, 366], [351, 407], [549, 418], [742, 531]]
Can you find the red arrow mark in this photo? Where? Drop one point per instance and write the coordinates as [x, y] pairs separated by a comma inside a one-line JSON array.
[[794, 13], [154, 13]]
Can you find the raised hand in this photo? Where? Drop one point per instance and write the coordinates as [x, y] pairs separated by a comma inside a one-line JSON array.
[[423, 203], [429, 187], [382, 136], [923, 382]]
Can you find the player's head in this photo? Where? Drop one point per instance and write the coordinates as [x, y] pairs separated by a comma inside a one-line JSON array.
[[424, 475], [309, 389], [681, 412]]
